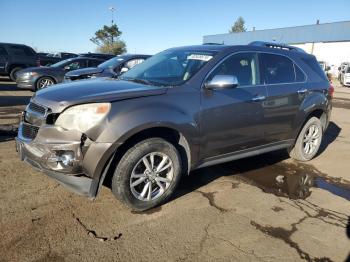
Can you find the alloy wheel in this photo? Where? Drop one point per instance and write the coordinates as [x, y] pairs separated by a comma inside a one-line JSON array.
[[311, 139], [151, 176], [45, 82]]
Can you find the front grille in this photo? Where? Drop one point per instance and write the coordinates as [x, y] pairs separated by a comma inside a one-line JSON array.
[[29, 131], [37, 108]]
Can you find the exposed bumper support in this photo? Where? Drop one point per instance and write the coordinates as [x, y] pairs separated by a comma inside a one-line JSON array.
[[60, 154]]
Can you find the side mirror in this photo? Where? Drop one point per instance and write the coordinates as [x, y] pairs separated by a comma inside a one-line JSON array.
[[328, 68], [222, 82], [124, 69]]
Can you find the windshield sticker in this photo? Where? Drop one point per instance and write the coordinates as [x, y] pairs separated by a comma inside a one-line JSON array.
[[200, 57]]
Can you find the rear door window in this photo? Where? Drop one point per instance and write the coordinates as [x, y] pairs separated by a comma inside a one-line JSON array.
[[278, 69]]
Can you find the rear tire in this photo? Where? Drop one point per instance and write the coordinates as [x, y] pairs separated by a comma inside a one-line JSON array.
[[308, 141], [139, 185], [13, 73]]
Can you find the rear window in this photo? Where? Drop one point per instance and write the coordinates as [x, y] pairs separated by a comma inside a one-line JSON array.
[[278, 69], [94, 63], [20, 50], [315, 67]]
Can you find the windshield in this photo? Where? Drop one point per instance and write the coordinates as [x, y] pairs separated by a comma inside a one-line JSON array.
[[170, 67], [348, 70], [61, 63], [111, 63]]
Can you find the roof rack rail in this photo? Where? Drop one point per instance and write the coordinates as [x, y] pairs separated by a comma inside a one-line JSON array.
[[277, 45]]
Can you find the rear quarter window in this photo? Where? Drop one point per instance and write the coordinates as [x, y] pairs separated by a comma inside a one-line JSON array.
[[299, 75], [21, 50], [315, 67]]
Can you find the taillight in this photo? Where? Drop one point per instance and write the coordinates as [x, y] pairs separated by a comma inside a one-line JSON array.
[[331, 90], [38, 62]]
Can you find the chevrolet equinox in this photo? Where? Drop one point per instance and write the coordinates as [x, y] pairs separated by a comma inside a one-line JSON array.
[[182, 109]]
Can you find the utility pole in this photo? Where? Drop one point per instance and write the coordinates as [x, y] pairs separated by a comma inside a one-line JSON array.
[[112, 9], [313, 43]]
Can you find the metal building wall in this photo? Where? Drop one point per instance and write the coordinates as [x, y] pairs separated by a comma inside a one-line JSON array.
[[329, 32]]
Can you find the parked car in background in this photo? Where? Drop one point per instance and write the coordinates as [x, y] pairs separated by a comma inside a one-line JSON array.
[[98, 55], [324, 65], [49, 59], [36, 78], [111, 68], [342, 69], [345, 78], [182, 109], [15, 57]]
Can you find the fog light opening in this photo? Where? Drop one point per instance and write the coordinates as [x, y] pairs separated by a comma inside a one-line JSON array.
[[66, 158]]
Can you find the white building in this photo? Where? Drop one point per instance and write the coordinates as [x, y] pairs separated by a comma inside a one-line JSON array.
[[329, 42]]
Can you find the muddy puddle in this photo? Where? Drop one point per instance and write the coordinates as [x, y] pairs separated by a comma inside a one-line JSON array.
[[270, 173], [294, 180]]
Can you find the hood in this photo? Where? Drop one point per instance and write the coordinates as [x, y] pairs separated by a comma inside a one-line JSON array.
[[84, 71], [60, 96]]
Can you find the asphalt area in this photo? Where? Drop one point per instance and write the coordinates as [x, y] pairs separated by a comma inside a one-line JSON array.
[[264, 208]]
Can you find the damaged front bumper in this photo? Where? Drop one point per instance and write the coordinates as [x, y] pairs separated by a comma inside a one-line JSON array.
[[61, 154]]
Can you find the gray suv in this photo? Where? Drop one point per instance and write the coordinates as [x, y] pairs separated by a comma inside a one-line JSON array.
[[182, 109]]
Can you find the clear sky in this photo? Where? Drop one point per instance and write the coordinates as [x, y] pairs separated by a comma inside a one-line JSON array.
[[152, 25]]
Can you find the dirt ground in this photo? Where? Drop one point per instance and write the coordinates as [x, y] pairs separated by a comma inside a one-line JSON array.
[[264, 208]]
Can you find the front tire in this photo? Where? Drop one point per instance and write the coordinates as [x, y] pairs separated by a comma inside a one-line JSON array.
[[13, 73], [147, 174], [308, 141]]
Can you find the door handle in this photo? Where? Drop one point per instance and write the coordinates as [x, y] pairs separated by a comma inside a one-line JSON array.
[[302, 91], [258, 98]]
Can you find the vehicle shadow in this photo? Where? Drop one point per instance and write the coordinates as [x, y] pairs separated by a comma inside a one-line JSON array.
[[14, 100], [6, 87], [7, 132], [329, 136], [204, 176]]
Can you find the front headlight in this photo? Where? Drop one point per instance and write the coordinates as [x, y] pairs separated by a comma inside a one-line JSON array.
[[29, 74], [83, 117]]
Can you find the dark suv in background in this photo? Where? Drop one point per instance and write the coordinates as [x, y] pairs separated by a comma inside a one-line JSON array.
[[15, 57], [182, 109]]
